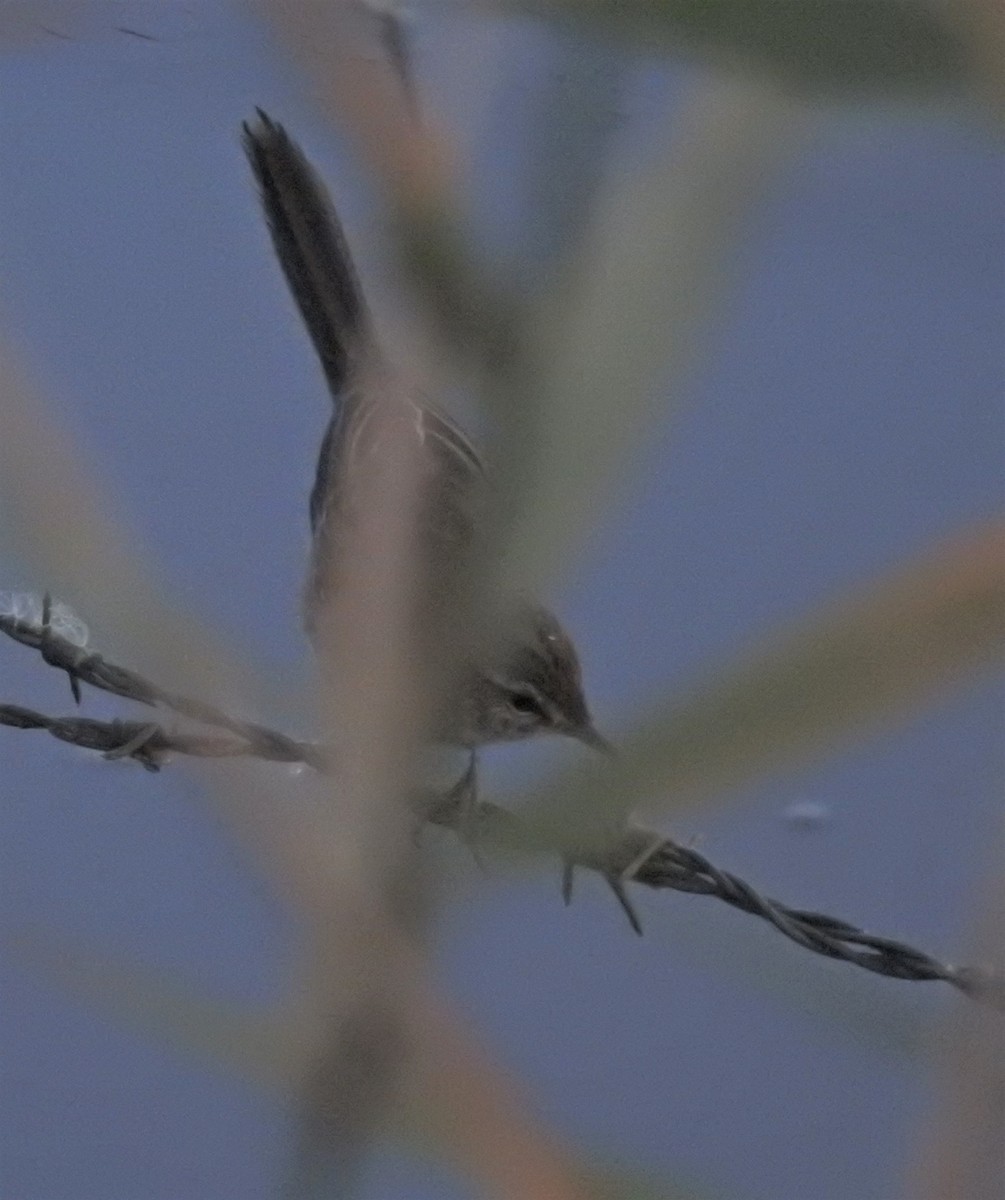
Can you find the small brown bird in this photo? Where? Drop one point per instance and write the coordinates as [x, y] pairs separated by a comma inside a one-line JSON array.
[[531, 682]]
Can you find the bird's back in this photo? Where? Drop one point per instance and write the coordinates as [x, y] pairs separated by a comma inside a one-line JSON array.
[[371, 406], [525, 680], [352, 464]]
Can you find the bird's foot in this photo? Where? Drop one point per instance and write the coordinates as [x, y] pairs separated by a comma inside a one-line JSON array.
[[616, 881], [464, 794]]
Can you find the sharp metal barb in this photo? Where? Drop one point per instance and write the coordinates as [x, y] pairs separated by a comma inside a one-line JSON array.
[[568, 879], [617, 886], [635, 854]]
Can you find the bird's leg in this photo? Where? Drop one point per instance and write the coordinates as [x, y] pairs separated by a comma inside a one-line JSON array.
[[616, 880], [464, 794], [568, 878]]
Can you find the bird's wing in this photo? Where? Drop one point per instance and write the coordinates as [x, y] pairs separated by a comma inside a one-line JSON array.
[[447, 512]]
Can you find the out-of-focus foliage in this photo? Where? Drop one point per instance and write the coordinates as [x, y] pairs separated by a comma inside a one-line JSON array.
[[626, 322], [864, 664], [840, 47], [621, 302]]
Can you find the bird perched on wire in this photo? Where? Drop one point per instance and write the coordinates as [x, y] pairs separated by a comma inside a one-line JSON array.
[[527, 684]]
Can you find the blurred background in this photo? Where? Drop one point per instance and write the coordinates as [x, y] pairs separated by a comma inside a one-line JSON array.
[[825, 410]]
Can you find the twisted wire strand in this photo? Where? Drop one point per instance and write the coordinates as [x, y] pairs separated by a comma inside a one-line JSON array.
[[83, 666], [145, 742], [637, 855]]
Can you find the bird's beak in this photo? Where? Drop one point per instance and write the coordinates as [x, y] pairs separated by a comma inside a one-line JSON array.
[[589, 736]]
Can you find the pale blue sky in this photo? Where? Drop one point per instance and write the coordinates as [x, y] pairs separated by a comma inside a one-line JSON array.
[[849, 412]]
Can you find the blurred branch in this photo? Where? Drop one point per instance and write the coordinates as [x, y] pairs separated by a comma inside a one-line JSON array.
[[577, 107], [635, 855], [394, 36], [981, 25], [567, 384], [962, 1150], [633, 305], [370, 95], [366, 97], [61, 525], [480, 321], [309, 846], [157, 1003], [868, 662], [456, 1100], [825, 47]]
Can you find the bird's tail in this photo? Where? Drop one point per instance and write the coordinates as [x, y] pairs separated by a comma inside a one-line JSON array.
[[312, 250]]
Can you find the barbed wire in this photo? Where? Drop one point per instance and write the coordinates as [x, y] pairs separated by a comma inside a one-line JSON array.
[[145, 742], [635, 855], [84, 666]]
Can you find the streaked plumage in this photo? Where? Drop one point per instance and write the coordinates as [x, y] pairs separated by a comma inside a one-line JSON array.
[[534, 685]]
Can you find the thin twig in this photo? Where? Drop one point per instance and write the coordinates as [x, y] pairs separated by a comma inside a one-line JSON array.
[[636, 854]]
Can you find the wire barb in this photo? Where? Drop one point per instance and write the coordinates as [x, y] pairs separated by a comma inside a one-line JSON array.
[[92, 669], [634, 855]]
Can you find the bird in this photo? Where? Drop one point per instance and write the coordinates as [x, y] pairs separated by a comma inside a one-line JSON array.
[[530, 682]]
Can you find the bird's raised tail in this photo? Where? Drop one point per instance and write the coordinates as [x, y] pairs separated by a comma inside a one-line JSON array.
[[312, 250]]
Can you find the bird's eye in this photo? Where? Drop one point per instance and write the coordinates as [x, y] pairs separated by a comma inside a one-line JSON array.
[[526, 703]]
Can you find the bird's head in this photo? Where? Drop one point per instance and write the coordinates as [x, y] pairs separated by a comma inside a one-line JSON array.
[[532, 684]]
